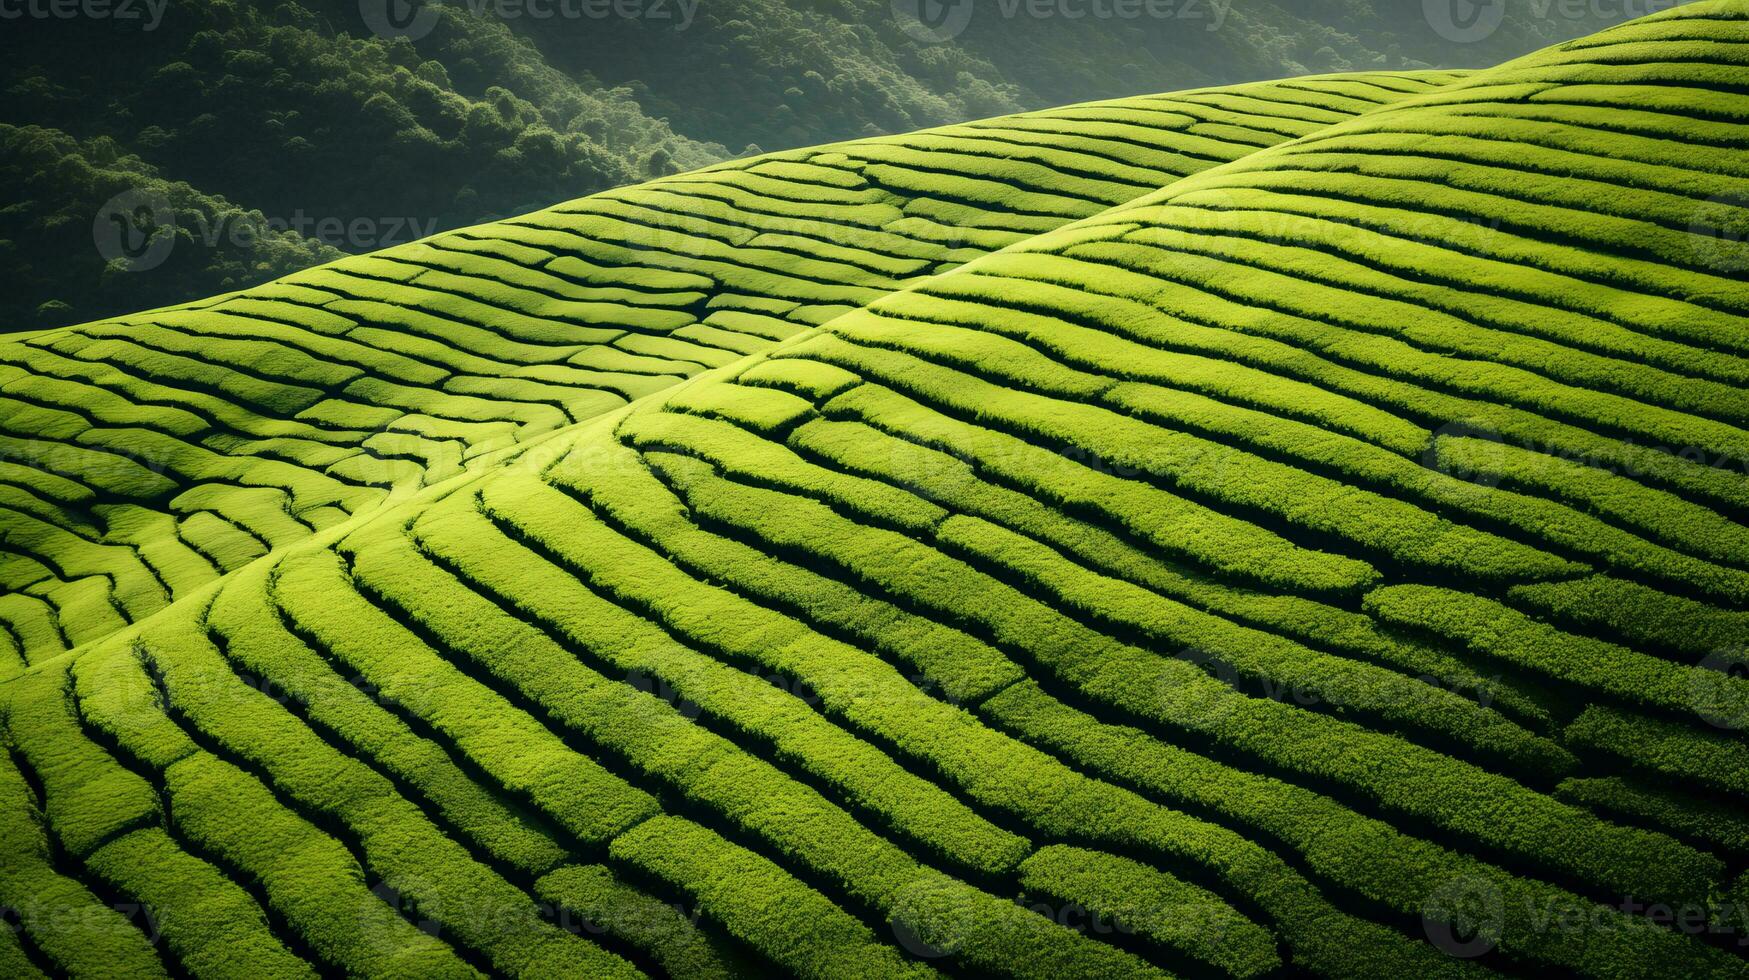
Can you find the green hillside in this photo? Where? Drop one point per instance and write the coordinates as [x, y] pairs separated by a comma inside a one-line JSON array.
[[316, 119], [147, 455], [1284, 529]]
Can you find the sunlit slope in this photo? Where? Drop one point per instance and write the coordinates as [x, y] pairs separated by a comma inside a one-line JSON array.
[[1332, 563], [142, 457]]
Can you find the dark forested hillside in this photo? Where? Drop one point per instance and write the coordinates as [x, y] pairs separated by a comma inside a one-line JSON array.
[[158, 150], [349, 141], [792, 72]]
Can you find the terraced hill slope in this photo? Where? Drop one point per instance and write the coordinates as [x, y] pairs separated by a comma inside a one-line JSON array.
[[1331, 562], [142, 457]]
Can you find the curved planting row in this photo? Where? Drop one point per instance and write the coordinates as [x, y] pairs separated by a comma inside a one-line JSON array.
[[141, 458], [1304, 538]]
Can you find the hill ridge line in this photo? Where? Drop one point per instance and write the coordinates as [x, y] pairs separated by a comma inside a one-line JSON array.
[[680, 234]]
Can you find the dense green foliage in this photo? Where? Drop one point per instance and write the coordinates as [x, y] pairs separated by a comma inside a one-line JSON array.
[[61, 186], [779, 73], [1269, 530], [334, 138], [186, 442], [317, 127]]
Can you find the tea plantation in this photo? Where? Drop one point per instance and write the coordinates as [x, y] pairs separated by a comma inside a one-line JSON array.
[[1290, 529]]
